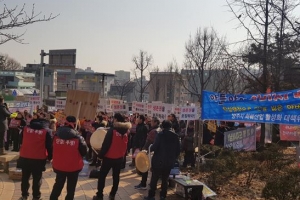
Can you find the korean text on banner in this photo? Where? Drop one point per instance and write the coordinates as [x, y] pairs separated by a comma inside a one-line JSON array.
[[160, 111], [120, 108], [278, 108], [60, 104], [139, 107], [241, 139], [188, 113], [19, 106], [289, 133]]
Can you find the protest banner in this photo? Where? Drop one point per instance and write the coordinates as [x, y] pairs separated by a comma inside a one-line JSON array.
[[35, 101], [86, 102], [120, 108], [188, 113], [276, 108], [114, 101], [101, 106], [60, 104], [19, 106], [139, 107], [176, 111], [241, 139], [159, 110], [149, 109], [289, 133]]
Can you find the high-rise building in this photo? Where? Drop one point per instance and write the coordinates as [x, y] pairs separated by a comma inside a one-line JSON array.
[[122, 75]]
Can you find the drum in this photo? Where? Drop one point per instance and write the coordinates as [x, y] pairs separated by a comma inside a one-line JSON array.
[[97, 138], [142, 162]]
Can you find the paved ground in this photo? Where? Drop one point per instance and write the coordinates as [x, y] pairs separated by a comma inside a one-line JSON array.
[[85, 190]]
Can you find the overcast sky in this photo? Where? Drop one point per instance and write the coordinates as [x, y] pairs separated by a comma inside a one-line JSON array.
[[107, 34]]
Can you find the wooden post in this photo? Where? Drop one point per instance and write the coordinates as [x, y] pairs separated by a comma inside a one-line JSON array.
[[77, 114], [200, 142]]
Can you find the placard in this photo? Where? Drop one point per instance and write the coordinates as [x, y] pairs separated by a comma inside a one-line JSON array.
[[139, 107], [160, 111], [289, 133], [120, 108], [89, 104], [18, 106], [60, 104], [241, 139], [188, 113]]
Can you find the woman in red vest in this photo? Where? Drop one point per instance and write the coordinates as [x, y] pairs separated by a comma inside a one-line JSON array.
[[69, 148], [112, 152], [16, 126]]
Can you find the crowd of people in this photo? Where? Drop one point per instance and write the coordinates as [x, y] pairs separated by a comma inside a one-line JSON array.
[[40, 137]]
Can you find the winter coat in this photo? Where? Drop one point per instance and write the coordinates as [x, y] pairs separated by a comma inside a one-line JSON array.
[[166, 149]]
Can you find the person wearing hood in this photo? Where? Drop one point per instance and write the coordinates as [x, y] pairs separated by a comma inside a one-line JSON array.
[[35, 149], [112, 154], [166, 149], [69, 148]]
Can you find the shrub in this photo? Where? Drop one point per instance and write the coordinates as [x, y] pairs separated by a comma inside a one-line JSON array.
[[283, 186]]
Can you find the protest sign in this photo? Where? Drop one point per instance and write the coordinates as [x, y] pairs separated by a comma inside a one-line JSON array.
[[101, 106], [289, 133], [120, 108], [276, 108], [60, 104], [176, 111], [82, 104], [35, 101], [18, 106], [188, 113], [241, 139], [139, 107], [159, 110]]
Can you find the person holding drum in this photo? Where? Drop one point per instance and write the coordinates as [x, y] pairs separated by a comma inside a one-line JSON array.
[[166, 149], [154, 129], [69, 148], [112, 152]]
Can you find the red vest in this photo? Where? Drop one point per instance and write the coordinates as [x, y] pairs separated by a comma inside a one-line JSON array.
[[14, 123], [118, 146], [66, 156], [34, 144]]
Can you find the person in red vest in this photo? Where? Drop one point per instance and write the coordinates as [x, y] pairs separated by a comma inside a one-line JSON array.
[[69, 148], [112, 152], [35, 149]]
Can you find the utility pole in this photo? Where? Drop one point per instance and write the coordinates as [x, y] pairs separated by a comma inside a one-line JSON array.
[[42, 74]]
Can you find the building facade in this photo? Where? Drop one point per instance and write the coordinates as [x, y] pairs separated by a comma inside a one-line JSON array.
[[122, 75]]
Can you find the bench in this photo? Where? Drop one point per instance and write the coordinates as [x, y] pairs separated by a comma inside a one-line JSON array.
[[5, 159]]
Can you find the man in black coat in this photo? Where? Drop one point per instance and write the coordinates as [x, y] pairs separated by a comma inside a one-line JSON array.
[[140, 136], [4, 113], [166, 149]]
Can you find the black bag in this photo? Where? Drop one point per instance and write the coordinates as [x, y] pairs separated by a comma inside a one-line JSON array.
[[94, 173]]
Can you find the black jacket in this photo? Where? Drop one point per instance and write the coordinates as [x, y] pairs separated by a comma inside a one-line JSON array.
[[166, 149], [120, 127], [4, 113], [139, 139], [37, 164], [67, 133]]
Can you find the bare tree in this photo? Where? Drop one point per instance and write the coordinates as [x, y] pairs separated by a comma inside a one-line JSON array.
[[8, 63], [122, 88], [201, 61], [17, 17], [142, 63]]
